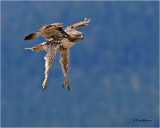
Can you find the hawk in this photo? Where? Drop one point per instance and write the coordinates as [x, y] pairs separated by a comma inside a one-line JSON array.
[[59, 40]]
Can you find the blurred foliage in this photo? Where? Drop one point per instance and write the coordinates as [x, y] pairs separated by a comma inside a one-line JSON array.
[[113, 71]]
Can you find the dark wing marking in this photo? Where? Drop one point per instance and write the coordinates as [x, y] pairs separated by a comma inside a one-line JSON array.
[[79, 25], [50, 32], [32, 36]]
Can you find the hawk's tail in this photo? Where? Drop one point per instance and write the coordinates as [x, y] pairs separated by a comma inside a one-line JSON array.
[[37, 48], [32, 36]]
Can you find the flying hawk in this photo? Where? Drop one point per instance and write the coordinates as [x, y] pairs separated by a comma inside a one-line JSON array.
[[58, 40]]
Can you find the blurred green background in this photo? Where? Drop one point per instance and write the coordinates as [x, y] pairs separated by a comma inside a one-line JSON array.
[[113, 72]]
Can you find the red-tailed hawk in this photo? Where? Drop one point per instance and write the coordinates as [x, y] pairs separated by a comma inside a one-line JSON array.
[[58, 40]]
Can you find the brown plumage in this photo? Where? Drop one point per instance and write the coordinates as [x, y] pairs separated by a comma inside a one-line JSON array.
[[58, 40]]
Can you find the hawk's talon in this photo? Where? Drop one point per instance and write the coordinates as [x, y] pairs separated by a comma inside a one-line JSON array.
[[44, 88], [67, 84], [44, 85], [68, 88]]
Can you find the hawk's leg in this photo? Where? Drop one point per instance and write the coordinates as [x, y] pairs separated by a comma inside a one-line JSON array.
[[65, 57], [49, 58]]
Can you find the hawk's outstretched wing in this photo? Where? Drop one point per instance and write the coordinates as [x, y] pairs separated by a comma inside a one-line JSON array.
[[79, 25], [51, 31]]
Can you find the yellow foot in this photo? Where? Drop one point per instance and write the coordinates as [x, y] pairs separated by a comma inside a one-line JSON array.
[[44, 85], [66, 83]]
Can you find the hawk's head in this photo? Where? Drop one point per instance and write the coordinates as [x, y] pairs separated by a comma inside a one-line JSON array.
[[75, 35]]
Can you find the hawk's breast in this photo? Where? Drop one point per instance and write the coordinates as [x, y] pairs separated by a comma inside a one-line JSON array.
[[66, 43]]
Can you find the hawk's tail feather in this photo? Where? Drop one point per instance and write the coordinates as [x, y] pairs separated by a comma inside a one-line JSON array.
[[31, 36], [37, 48]]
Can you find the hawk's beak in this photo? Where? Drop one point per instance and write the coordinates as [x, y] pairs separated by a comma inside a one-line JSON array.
[[82, 36]]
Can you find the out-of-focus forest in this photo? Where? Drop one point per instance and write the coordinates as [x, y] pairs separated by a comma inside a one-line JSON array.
[[113, 72]]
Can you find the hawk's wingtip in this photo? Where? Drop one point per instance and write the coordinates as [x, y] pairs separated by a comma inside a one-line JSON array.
[[87, 20]]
